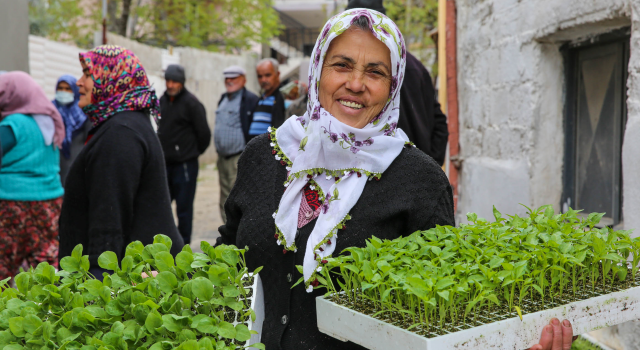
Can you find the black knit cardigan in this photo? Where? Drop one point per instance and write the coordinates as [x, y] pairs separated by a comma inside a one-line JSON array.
[[117, 191], [413, 194]]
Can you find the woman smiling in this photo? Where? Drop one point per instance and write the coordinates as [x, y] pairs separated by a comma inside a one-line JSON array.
[[305, 192]]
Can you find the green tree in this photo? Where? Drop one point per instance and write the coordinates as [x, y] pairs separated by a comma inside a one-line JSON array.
[[63, 20], [216, 25], [415, 18]]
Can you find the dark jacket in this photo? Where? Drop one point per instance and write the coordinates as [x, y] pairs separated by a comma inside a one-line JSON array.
[[277, 118], [278, 114], [116, 191], [247, 105], [420, 115], [413, 194], [183, 129]]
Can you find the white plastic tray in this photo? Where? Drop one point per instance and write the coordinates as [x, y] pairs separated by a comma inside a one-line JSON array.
[[509, 334], [257, 305]]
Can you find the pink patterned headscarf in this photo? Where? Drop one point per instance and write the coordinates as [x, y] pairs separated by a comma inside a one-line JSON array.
[[120, 84], [19, 93]]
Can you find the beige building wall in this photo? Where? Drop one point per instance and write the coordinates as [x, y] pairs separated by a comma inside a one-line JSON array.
[[203, 70], [14, 35], [511, 79]]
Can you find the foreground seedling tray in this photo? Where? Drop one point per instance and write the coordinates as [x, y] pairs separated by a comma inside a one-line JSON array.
[[257, 305], [507, 334]]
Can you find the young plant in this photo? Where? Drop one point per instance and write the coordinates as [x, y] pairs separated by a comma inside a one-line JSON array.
[[197, 301], [449, 277]]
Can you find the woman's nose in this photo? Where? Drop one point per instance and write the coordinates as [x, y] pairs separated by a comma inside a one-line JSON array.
[[355, 82]]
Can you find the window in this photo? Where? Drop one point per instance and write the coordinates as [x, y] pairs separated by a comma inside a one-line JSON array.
[[594, 126]]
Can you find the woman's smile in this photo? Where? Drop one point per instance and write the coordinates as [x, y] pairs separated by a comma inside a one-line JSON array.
[[351, 104], [356, 80]]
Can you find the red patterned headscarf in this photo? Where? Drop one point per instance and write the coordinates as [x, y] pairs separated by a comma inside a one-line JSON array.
[[119, 84]]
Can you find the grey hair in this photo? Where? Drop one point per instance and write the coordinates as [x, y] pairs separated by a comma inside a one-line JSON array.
[[361, 22], [273, 62]]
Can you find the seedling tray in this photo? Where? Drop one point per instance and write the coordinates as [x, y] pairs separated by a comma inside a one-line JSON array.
[[499, 331], [256, 297]]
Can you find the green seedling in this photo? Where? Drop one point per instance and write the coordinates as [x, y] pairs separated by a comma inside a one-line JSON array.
[[197, 301], [450, 278]]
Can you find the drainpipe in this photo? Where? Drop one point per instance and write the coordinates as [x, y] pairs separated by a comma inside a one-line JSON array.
[[448, 86], [452, 98], [104, 22], [442, 54]]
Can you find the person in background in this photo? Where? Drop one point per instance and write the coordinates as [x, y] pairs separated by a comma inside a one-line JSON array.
[[116, 191], [31, 131], [420, 115], [184, 135], [76, 124], [270, 109], [231, 131], [299, 105]]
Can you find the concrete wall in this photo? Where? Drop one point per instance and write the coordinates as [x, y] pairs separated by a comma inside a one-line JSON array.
[[511, 99], [14, 35], [631, 146], [204, 74], [48, 60]]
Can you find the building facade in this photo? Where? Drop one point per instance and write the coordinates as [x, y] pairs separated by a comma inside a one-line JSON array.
[[548, 94]]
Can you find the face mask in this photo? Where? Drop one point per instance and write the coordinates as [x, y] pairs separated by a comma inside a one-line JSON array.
[[287, 103], [64, 97]]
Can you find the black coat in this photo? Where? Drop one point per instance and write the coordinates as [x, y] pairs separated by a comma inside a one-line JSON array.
[[247, 105], [413, 194], [116, 191], [278, 112], [277, 118], [183, 129], [420, 115]]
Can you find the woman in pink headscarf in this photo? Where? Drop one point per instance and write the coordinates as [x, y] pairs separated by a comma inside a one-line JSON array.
[[31, 132]]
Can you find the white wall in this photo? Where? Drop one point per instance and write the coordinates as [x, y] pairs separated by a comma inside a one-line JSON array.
[[48, 60], [631, 146], [203, 70], [14, 30], [511, 98]]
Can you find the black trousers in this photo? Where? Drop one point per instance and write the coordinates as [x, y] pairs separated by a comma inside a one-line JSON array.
[[182, 187]]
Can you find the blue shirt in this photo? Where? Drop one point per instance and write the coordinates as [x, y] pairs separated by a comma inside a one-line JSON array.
[[227, 134], [262, 116]]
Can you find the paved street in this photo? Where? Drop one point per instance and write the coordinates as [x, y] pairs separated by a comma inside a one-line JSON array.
[[206, 218]]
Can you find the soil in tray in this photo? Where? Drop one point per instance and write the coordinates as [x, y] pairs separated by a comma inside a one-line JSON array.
[[486, 315]]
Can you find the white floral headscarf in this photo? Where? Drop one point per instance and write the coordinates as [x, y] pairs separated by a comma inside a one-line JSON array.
[[334, 158]]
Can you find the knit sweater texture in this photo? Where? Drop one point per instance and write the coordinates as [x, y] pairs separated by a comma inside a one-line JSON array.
[[116, 191], [413, 194]]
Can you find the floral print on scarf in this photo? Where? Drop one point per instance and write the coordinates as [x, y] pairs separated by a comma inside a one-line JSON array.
[[339, 160]]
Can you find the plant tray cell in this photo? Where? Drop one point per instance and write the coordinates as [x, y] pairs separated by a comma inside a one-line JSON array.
[[497, 333], [257, 305]]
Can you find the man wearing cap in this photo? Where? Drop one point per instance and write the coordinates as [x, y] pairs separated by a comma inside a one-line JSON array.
[[231, 132], [184, 134]]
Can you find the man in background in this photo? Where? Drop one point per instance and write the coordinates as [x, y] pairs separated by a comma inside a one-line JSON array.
[[270, 109], [184, 134], [231, 132], [420, 115]]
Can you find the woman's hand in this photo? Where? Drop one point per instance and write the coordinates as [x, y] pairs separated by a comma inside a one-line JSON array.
[[154, 273], [555, 336]]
